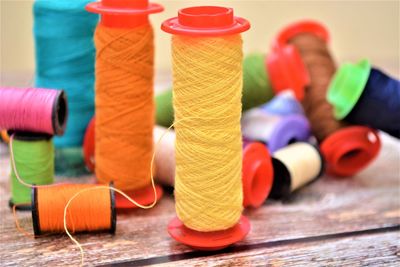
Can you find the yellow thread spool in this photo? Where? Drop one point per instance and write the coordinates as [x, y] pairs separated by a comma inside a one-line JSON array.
[[207, 66]]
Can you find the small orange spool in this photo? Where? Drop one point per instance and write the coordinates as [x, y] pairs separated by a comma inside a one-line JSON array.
[[92, 208]]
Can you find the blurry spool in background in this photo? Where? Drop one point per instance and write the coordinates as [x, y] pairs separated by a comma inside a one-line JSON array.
[[351, 145], [364, 95], [33, 110], [257, 170], [93, 209], [259, 83], [65, 59], [295, 166], [124, 98], [34, 163], [276, 131]]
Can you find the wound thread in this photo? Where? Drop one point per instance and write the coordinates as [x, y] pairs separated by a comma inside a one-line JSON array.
[[124, 106], [91, 210], [295, 166], [33, 157], [321, 68], [33, 110], [207, 75], [65, 59], [257, 90]]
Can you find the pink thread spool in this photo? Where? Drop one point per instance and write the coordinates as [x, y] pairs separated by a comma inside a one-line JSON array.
[[33, 110]]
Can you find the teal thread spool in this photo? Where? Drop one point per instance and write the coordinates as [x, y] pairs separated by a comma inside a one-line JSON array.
[[257, 90], [34, 162], [65, 57]]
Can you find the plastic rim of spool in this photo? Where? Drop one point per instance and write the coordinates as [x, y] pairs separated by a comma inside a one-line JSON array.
[[122, 13], [257, 174], [347, 86], [59, 115], [205, 21], [35, 212], [143, 196], [88, 145], [291, 128], [21, 207], [5, 137], [349, 150], [300, 27], [28, 136], [208, 241], [287, 70], [282, 180]]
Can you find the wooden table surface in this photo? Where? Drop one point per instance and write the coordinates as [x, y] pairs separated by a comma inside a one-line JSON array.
[[351, 222]]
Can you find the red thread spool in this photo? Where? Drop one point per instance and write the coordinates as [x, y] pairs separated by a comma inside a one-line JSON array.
[[207, 21], [128, 14], [347, 150]]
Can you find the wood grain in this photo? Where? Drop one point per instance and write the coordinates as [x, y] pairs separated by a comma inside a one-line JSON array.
[[328, 207]]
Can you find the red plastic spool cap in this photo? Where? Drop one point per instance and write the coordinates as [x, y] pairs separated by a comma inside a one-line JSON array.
[[287, 70], [143, 196], [257, 174], [208, 240], [88, 146], [124, 13], [351, 149], [205, 21], [305, 26]]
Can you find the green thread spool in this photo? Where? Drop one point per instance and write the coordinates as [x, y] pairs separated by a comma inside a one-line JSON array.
[[34, 162], [257, 90]]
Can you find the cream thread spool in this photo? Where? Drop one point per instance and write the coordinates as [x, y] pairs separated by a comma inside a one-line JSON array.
[[295, 166]]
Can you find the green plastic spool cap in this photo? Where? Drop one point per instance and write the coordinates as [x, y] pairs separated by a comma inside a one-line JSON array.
[[347, 86]]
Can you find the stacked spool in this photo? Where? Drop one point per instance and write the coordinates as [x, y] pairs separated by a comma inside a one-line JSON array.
[[32, 116], [124, 98], [65, 59], [347, 149]]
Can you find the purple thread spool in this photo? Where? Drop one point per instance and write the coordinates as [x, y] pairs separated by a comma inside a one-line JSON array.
[[274, 130]]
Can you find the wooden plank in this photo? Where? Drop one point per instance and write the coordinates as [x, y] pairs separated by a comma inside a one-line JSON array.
[[329, 206], [366, 250]]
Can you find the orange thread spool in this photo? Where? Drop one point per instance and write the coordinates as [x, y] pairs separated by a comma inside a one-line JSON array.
[[91, 210], [124, 97]]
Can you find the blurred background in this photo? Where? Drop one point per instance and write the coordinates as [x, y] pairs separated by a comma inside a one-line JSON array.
[[359, 29]]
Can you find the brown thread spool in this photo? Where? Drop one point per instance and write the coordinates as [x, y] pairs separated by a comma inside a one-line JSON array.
[[312, 46]]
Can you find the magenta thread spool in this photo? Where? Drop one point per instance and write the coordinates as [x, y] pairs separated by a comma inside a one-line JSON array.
[[33, 110], [276, 131]]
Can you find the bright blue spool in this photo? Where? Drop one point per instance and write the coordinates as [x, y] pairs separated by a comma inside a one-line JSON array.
[[65, 57], [379, 104]]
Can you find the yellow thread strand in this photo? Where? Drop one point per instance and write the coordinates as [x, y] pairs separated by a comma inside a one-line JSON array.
[[207, 103]]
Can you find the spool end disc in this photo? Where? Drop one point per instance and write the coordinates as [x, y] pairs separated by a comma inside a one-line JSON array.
[[143, 196], [208, 241]]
